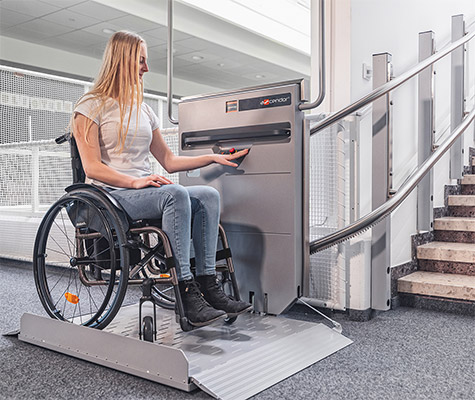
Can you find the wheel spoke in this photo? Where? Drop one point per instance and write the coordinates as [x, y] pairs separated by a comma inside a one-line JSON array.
[[61, 289], [65, 231]]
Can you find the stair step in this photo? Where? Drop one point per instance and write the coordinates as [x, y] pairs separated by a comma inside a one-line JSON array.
[[462, 200], [447, 267], [468, 185], [450, 286], [455, 224], [447, 251], [468, 179], [454, 229]]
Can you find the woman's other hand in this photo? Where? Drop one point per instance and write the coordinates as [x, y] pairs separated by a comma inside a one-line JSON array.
[[151, 180], [225, 159]]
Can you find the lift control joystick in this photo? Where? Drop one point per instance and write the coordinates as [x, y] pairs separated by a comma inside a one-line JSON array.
[[217, 149], [230, 151]]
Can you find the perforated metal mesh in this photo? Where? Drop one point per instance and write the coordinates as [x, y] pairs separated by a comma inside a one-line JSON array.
[[30, 172], [327, 211], [34, 110], [171, 139]]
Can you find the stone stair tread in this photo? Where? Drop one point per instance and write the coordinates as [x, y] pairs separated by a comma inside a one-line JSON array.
[[448, 245], [447, 251], [455, 224], [453, 286], [461, 200], [468, 179]]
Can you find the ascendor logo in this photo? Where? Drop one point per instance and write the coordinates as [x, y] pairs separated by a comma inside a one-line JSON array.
[[268, 102], [276, 100]]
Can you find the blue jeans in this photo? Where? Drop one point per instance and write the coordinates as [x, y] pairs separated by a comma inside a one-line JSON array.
[[185, 212]]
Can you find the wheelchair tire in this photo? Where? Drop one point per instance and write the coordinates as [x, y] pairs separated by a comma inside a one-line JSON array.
[[80, 260], [147, 329], [164, 295]]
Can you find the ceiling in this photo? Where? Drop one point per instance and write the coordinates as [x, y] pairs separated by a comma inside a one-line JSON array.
[[84, 26]]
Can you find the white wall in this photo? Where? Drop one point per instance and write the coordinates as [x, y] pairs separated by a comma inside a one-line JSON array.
[[393, 26]]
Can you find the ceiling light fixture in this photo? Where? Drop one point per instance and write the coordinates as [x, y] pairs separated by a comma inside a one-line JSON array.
[[197, 58], [108, 31], [259, 76], [220, 64]]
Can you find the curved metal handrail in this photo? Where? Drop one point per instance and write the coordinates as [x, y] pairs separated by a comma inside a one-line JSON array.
[[391, 85], [389, 206], [321, 61]]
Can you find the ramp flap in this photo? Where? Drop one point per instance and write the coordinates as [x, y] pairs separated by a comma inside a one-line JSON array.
[[259, 353], [228, 362]]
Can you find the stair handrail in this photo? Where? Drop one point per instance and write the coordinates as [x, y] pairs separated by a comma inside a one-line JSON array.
[[414, 179], [391, 85], [390, 205]]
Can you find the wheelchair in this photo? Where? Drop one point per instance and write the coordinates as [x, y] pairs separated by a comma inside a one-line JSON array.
[[88, 251]]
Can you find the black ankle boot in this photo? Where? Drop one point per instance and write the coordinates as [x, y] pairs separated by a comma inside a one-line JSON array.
[[215, 296], [197, 309]]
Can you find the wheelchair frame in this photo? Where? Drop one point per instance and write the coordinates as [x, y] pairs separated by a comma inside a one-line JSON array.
[[106, 244]]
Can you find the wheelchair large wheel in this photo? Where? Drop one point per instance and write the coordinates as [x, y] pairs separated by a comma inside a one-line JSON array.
[[80, 260]]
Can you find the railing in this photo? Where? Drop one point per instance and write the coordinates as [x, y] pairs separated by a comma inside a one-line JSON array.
[[34, 169], [384, 210], [390, 86]]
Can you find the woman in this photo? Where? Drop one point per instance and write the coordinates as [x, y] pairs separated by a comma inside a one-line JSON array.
[[115, 131]]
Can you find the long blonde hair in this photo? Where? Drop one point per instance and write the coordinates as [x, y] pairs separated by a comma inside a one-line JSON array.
[[119, 79]]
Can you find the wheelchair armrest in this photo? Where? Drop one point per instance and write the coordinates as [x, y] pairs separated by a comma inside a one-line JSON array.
[[103, 193]]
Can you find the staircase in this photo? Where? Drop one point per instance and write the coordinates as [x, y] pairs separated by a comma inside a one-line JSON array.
[[445, 279]]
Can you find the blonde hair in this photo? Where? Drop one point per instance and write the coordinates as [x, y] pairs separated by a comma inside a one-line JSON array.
[[119, 79]]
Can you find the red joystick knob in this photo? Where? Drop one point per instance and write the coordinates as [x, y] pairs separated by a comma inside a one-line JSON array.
[[232, 151]]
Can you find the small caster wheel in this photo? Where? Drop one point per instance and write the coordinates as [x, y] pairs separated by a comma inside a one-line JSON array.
[[147, 329], [230, 320], [184, 324]]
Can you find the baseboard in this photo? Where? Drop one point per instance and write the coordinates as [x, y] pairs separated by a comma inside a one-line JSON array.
[[461, 307], [361, 315]]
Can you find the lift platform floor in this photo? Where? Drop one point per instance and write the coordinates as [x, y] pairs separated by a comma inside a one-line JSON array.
[[233, 361]]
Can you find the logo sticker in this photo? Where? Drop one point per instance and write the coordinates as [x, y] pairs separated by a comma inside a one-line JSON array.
[[277, 100]]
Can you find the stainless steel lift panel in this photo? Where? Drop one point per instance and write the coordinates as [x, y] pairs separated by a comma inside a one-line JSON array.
[[227, 361], [264, 200]]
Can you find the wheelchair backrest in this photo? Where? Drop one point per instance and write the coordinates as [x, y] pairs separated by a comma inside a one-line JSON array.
[[79, 175]]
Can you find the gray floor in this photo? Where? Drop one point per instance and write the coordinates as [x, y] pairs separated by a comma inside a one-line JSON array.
[[401, 354]]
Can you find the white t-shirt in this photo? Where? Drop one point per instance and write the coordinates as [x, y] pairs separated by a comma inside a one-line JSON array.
[[134, 158]]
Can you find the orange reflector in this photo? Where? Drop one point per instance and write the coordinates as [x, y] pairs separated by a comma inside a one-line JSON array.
[[164, 275], [72, 298]]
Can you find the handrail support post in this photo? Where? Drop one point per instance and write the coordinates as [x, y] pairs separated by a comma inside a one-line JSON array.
[[457, 106], [426, 132], [381, 186]]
